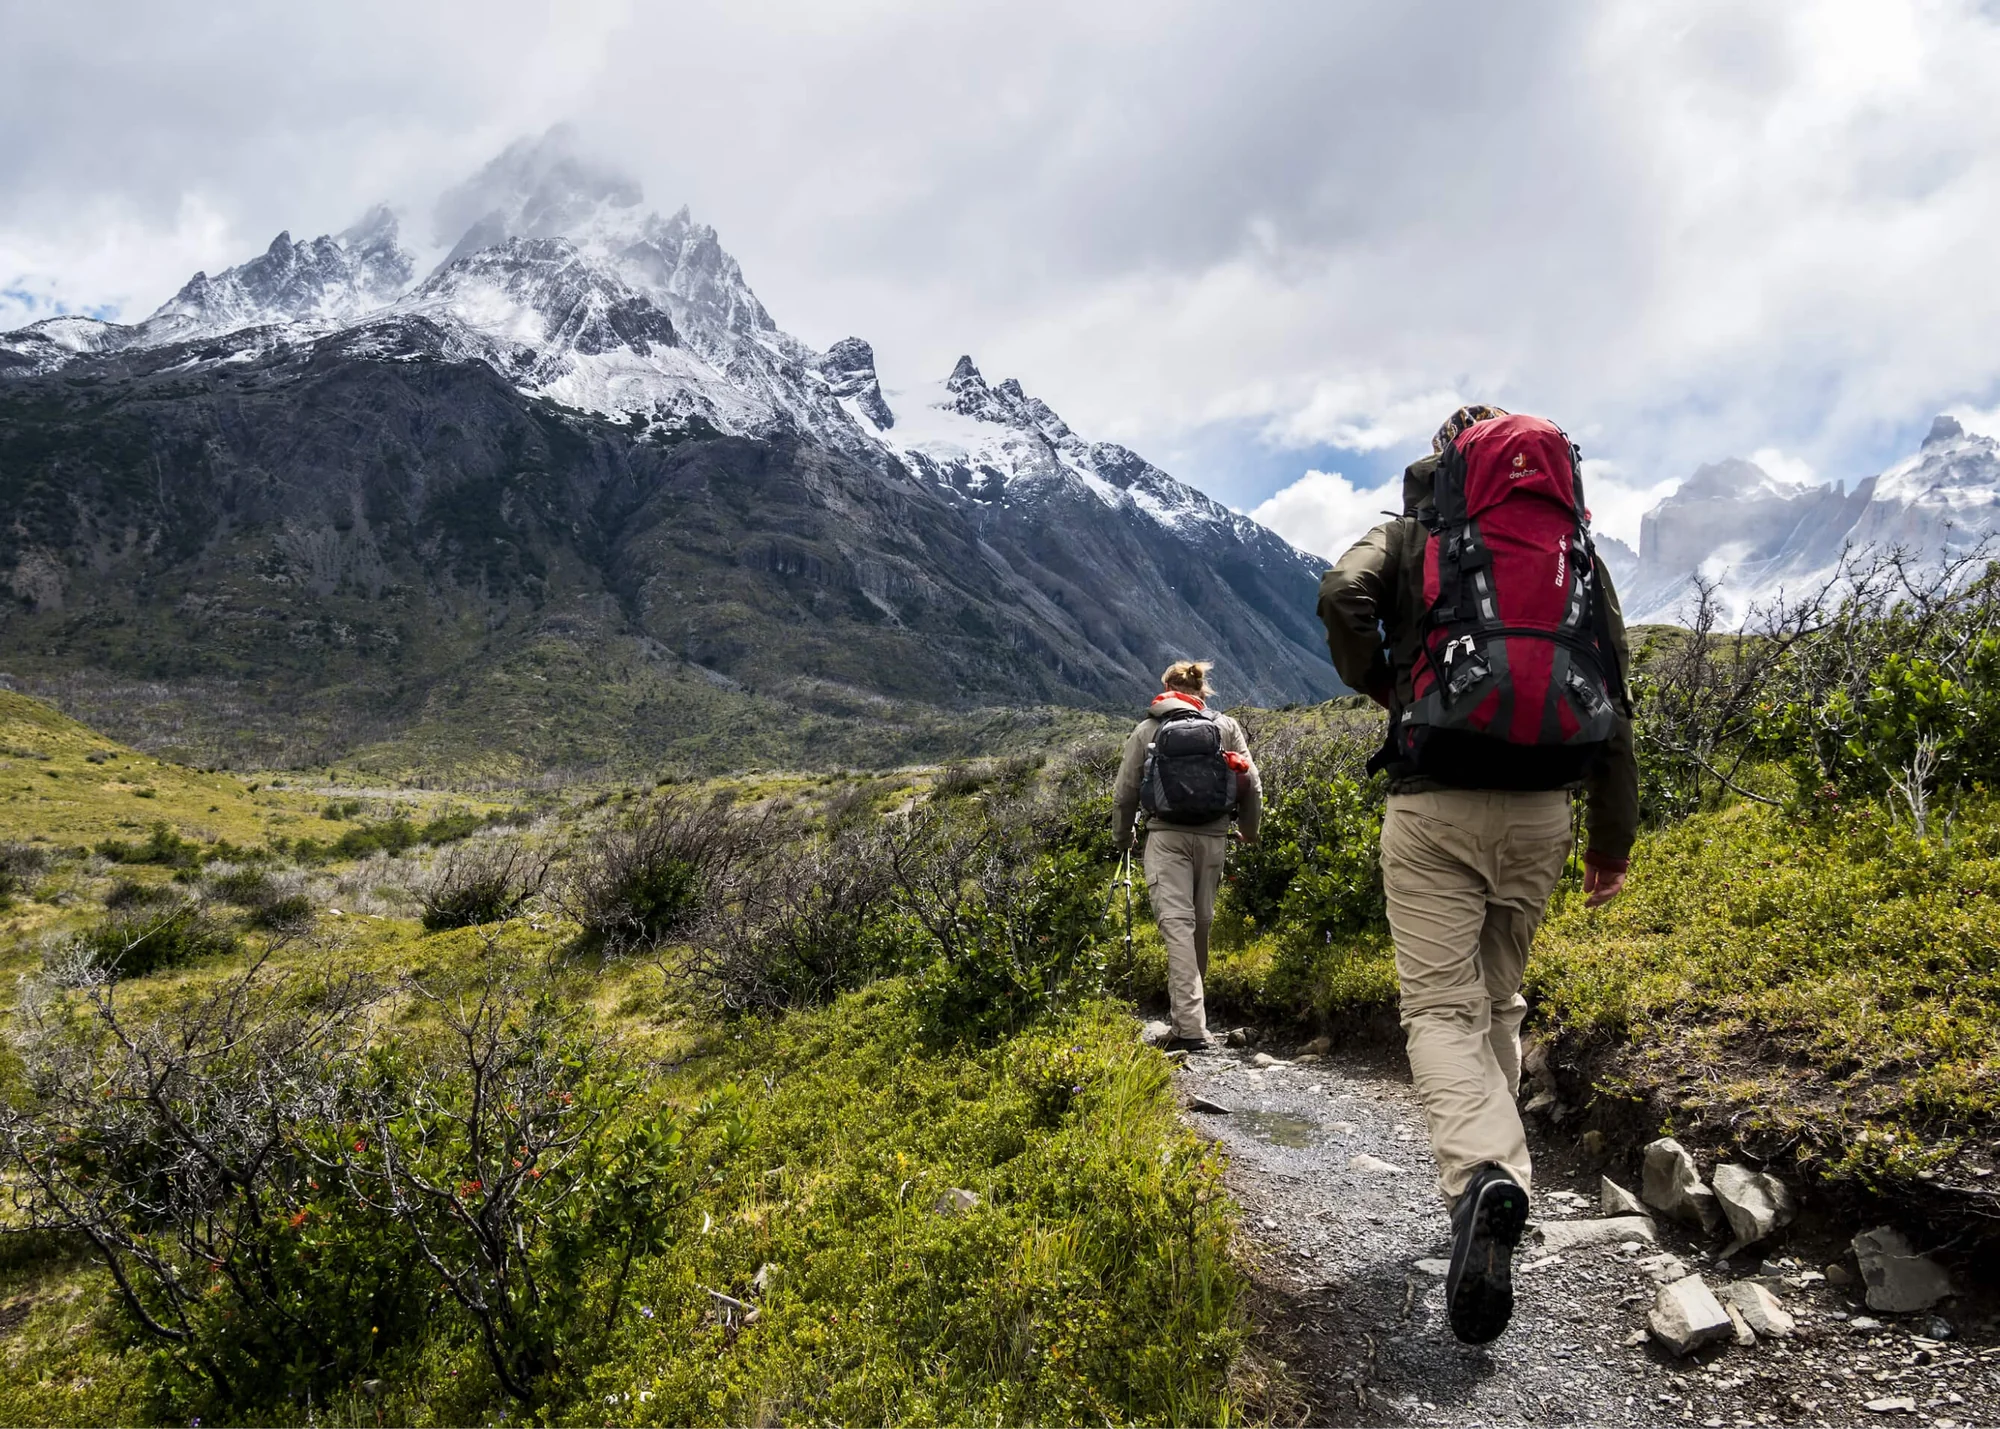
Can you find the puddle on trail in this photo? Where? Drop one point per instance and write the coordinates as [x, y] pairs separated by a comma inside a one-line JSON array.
[[1279, 1128]]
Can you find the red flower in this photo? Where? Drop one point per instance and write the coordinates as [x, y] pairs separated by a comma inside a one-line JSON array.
[[298, 1220]]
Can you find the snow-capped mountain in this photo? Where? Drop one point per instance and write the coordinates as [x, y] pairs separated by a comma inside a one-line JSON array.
[[999, 445], [562, 282], [581, 438], [1759, 536], [312, 287]]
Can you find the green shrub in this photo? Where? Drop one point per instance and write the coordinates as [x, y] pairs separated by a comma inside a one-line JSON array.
[[126, 893], [665, 867], [282, 913], [291, 1204], [136, 943], [821, 918], [19, 862], [1005, 938], [391, 836], [450, 828], [245, 887], [162, 846]]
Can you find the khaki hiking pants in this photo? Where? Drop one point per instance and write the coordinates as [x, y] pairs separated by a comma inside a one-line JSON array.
[[1468, 875], [1183, 870]]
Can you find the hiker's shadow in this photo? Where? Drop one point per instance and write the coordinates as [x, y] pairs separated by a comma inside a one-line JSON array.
[[1390, 1319]]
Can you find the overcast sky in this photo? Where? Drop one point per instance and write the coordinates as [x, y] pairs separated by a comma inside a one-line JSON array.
[[1269, 245]]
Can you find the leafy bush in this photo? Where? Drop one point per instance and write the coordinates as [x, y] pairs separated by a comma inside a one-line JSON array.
[[450, 828], [662, 869], [820, 919], [273, 904], [162, 846], [288, 1203], [126, 894], [482, 885], [245, 887], [136, 942], [282, 913], [1008, 932]]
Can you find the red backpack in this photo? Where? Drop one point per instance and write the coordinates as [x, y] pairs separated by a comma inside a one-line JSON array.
[[1516, 684]]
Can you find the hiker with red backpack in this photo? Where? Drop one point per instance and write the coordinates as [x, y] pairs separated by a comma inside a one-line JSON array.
[[1189, 768], [1482, 620]]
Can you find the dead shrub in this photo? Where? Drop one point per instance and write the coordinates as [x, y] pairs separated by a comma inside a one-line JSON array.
[[666, 867], [482, 883], [813, 925]]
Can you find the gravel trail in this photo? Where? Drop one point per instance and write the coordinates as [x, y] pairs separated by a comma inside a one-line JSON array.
[[1330, 1162]]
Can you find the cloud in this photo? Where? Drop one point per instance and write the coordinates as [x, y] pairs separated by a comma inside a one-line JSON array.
[[1322, 512], [1701, 230], [1985, 423], [1617, 502], [1785, 470]]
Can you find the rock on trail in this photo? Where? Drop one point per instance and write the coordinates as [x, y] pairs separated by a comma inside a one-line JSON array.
[[1349, 1241]]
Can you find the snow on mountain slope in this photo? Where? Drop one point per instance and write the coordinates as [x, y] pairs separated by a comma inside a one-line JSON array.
[[558, 326], [1761, 538], [997, 445], [316, 286], [558, 278], [322, 283]]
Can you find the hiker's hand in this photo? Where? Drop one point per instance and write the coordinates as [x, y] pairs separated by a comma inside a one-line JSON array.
[[1241, 837], [1601, 885]]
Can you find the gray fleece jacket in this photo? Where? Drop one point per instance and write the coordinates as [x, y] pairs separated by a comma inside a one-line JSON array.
[[1132, 769]]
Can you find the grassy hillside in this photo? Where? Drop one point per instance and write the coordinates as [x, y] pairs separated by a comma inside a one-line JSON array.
[[63, 783], [920, 1184], [1831, 993]]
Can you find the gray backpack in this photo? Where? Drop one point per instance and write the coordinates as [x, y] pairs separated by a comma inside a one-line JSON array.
[[1189, 778]]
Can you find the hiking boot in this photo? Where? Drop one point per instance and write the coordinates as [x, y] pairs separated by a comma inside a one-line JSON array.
[[1486, 1226], [1203, 1043]]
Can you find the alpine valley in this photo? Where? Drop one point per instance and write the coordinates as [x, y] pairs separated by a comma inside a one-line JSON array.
[[572, 498]]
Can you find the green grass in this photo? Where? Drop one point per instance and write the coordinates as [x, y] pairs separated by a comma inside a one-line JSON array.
[[1834, 991], [1092, 1281]]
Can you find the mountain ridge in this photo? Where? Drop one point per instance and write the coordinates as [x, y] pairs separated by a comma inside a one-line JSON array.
[[1759, 539], [352, 493]]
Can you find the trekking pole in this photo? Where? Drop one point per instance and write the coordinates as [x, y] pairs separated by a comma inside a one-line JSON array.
[[1125, 880]]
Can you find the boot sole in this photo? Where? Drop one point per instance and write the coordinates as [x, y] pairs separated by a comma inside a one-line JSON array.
[[1482, 1294]]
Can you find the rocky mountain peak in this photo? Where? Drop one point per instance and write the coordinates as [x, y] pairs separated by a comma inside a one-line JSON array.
[[1944, 428], [543, 187], [849, 369], [322, 281]]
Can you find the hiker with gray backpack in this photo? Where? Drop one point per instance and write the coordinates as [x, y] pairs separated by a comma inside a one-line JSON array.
[[1189, 768], [1482, 620]]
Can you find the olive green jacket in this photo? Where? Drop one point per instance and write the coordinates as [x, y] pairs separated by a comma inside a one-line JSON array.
[[1372, 604]]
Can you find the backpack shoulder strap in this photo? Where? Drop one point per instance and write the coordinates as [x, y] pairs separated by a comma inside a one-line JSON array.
[[1448, 491]]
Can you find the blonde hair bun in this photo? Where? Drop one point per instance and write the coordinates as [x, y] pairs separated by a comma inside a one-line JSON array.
[[1189, 677]]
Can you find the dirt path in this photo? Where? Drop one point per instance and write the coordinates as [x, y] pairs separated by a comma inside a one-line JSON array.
[[1350, 1268]]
